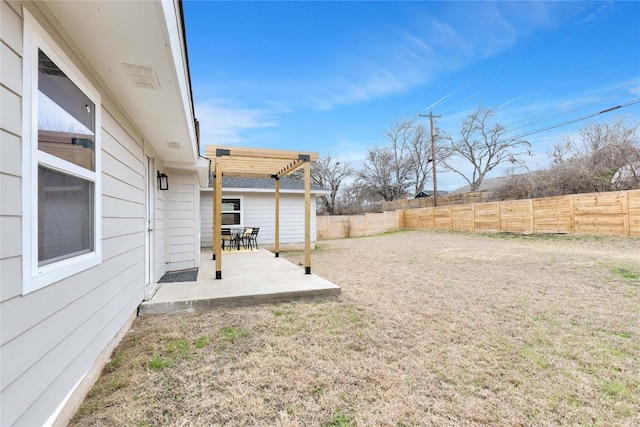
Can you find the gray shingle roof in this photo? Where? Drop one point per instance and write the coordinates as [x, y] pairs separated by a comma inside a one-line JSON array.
[[286, 183]]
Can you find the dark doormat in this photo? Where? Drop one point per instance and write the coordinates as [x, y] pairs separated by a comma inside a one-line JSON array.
[[189, 275]]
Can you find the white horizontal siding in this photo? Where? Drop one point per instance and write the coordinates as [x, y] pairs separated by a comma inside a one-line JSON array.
[[11, 68], [72, 352], [258, 210], [182, 221], [206, 219], [54, 335], [10, 154], [11, 106], [159, 234], [51, 337], [11, 28]]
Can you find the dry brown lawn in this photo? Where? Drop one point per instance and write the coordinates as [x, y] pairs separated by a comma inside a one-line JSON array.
[[431, 329]]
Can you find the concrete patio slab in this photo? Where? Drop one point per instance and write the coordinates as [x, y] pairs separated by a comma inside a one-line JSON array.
[[248, 278]]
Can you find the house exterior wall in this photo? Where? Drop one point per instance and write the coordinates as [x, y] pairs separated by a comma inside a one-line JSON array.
[[259, 211], [183, 221], [51, 338]]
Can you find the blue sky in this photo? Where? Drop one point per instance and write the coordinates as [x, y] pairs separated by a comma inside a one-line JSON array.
[[331, 77]]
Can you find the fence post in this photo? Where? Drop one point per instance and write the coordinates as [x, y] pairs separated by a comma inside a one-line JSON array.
[[499, 217], [451, 217], [572, 215], [433, 217], [625, 213], [531, 225], [473, 217], [366, 225]]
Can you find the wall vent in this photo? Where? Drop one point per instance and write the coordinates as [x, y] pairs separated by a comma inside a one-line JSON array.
[[142, 76]]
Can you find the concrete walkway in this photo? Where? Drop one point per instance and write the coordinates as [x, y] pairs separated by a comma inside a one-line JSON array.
[[248, 278]]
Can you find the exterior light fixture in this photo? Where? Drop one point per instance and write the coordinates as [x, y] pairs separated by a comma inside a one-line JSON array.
[[163, 181]]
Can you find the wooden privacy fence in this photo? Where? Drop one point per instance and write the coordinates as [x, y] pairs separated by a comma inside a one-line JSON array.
[[340, 226], [447, 199], [612, 213]]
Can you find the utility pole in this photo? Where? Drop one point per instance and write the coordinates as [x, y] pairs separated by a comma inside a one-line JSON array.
[[433, 157]]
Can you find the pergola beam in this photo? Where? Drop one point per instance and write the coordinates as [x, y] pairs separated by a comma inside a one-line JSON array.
[[248, 175], [291, 167], [261, 153]]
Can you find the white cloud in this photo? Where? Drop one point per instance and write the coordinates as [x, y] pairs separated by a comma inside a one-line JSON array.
[[223, 122]]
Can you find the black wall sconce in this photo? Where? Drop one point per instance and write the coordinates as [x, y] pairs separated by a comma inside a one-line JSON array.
[[163, 181]]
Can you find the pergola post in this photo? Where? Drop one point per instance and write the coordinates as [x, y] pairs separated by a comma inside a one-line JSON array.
[[217, 217], [277, 213], [307, 217]]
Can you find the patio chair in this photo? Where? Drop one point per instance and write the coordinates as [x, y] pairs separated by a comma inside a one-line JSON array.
[[253, 238], [245, 235], [229, 237]]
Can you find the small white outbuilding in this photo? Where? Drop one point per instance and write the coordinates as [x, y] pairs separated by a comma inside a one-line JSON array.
[[250, 202]]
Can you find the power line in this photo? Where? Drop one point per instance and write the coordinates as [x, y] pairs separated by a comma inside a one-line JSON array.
[[547, 115], [575, 16], [617, 107], [592, 58]]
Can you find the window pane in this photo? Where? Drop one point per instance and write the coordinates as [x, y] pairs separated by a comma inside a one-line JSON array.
[[65, 216], [230, 205], [230, 218], [66, 116]]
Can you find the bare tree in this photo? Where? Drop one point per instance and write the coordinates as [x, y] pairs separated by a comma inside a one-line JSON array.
[[598, 153], [481, 145], [602, 157], [377, 174], [357, 198], [330, 173], [421, 157], [401, 166], [399, 137]]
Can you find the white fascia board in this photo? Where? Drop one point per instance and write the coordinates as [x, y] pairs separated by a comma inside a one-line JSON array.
[[202, 166], [177, 47], [317, 193]]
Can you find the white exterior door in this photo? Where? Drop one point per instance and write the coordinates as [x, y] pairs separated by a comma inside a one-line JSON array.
[[149, 226]]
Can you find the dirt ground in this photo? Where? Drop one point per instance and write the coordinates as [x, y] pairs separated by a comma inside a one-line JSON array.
[[431, 329]]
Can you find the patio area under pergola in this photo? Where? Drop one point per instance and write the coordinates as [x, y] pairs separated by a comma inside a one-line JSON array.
[[259, 163]]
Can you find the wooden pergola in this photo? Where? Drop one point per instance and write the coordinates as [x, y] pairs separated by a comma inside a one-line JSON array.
[[259, 163]]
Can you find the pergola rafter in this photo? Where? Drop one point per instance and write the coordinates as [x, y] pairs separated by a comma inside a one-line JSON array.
[[258, 163]]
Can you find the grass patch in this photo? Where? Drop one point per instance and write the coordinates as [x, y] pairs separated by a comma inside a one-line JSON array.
[[544, 237], [610, 350], [113, 364], [178, 349], [623, 334], [158, 363], [232, 334], [118, 382], [340, 320], [203, 341], [286, 316], [530, 353], [616, 389], [625, 273], [340, 419]]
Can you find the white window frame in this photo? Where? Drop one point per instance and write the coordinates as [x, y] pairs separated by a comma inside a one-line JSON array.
[[34, 276], [241, 211]]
